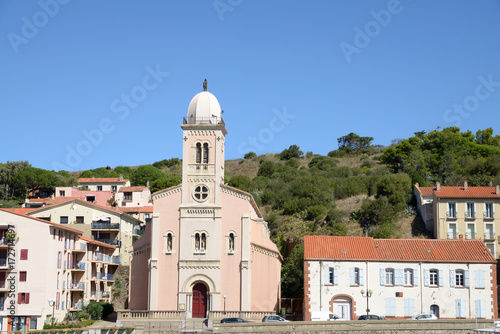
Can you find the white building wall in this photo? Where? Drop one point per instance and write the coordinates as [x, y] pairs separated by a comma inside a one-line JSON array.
[[445, 297]]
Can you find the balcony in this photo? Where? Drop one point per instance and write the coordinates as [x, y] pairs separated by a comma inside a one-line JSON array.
[[489, 236], [99, 294], [105, 226], [452, 235], [76, 306], [470, 215], [78, 266], [114, 242], [77, 286], [470, 235], [4, 243], [451, 215], [80, 248], [488, 215]]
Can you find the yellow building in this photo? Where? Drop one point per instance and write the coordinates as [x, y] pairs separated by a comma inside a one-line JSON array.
[[461, 212]]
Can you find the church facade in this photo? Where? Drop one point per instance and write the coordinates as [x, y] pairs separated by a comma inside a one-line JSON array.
[[207, 247]]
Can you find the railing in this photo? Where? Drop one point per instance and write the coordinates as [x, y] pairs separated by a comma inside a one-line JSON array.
[[115, 260], [81, 247], [489, 215], [151, 314], [452, 235], [79, 266], [96, 294], [470, 235], [489, 236], [77, 306], [451, 215], [114, 242], [110, 277], [470, 215], [79, 286], [105, 226]]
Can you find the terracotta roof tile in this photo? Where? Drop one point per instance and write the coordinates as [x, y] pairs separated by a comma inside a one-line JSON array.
[[132, 189], [426, 191], [471, 192], [101, 180], [96, 242], [395, 250], [136, 209]]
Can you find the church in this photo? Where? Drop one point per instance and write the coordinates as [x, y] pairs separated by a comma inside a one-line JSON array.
[[207, 247]]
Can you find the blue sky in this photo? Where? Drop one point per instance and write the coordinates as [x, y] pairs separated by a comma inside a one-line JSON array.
[[86, 84]]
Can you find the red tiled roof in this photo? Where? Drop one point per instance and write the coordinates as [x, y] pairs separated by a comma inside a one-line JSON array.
[[136, 209], [426, 191], [132, 189], [395, 250], [471, 192], [50, 200], [19, 213], [101, 180]]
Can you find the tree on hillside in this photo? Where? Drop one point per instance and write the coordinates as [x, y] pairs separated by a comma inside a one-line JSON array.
[[146, 173], [353, 143], [32, 179], [292, 152], [164, 182], [7, 173]]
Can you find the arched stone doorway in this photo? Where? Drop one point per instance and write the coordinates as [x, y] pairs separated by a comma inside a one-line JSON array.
[[200, 300], [341, 305]]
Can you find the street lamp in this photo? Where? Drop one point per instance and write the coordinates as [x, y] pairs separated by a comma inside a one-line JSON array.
[[52, 303], [225, 304], [368, 294]]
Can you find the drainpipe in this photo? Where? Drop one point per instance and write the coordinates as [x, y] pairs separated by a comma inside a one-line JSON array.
[[320, 284], [421, 289], [468, 291]]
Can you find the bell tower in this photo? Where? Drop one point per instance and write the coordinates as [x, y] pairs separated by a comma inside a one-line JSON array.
[[203, 151]]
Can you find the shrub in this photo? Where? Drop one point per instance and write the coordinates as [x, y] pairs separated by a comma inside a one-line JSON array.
[[250, 155], [293, 162], [95, 310]]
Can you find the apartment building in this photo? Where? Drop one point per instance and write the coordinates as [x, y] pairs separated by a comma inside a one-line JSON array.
[[399, 278], [461, 212], [48, 269], [98, 223]]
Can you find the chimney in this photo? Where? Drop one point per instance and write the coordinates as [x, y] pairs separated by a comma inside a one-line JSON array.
[[466, 186], [417, 185], [93, 177], [147, 184], [121, 177], [497, 190], [491, 183], [438, 186]]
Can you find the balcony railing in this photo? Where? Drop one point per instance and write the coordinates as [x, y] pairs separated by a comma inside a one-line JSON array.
[[470, 215], [78, 266], [105, 226], [114, 242], [78, 286], [470, 235], [99, 294], [489, 236], [77, 306], [451, 215], [452, 235], [4, 242], [489, 215]]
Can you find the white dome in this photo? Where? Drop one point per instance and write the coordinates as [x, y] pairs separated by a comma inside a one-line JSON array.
[[204, 109]]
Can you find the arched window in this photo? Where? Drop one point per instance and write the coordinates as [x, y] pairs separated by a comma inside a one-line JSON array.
[[231, 242], [200, 242], [198, 153], [205, 153], [168, 239]]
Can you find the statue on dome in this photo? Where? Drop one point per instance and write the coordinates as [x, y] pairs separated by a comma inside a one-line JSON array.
[[205, 85]]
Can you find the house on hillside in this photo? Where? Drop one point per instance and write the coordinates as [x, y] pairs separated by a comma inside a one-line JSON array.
[[461, 212], [103, 183], [399, 278], [207, 249]]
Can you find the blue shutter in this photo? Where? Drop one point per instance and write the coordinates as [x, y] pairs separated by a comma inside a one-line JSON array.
[[441, 278], [327, 275], [426, 277], [460, 308], [390, 308], [415, 277], [409, 307], [399, 276], [335, 276], [479, 278], [361, 276], [478, 308], [483, 308], [467, 278], [382, 276], [463, 308], [457, 308], [452, 278], [352, 273]]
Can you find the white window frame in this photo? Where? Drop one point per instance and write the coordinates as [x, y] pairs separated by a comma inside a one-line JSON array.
[[433, 277], [389, 276], [489, 214], [470, 210], [449, 214], [408, 277]]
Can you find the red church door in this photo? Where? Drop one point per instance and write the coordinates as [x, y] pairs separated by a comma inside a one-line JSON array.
[[199, 300]]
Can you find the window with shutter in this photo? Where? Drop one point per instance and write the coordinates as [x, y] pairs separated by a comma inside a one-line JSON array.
[[24, 254]]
